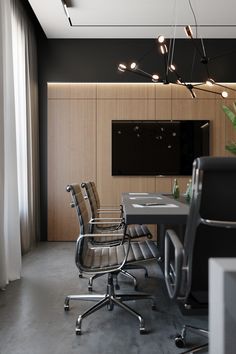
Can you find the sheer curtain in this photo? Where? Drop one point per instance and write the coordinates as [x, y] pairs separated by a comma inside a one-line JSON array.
[[19, 192]]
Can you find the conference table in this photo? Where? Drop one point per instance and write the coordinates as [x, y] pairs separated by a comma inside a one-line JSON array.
[[156, 208]]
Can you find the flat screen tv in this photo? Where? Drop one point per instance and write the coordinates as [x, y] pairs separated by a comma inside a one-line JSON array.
[[154, 148]]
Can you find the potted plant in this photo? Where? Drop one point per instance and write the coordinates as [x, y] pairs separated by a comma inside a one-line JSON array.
[[231, 114]]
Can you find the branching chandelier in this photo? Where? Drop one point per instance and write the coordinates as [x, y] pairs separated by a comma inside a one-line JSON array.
[[167, 51]]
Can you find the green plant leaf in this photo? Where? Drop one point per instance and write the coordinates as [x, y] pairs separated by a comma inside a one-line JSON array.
[[230, 114], [231, 148], [234, 105]]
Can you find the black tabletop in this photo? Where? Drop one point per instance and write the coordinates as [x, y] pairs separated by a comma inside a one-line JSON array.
[[153, 208]]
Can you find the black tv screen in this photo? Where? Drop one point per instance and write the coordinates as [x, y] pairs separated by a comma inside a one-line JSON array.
[[154, 148]]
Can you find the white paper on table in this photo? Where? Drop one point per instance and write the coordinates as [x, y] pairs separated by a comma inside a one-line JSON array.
[[155, 206], [159, 198], [138, 193]]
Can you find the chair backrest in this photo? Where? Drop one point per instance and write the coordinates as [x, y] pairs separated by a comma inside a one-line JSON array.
[[91, 197], [96, 195], [211, 226], [79, 204]]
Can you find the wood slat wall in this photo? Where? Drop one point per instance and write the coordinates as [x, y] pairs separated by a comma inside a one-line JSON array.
[[79, 139]]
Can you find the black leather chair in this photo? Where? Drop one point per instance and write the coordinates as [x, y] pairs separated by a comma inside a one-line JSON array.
[[108, 260], [210, 232], [99, 226]]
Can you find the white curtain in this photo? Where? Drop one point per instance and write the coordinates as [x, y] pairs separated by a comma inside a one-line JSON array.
[[19, 194], [26, 113]]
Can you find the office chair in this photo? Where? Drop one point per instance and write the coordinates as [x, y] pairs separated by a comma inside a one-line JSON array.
[[108, 260], [134, 231], [115, 238], [210, 232]]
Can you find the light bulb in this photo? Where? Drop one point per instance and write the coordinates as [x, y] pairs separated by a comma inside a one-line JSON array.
[[188, 31], [161, 39], [163, 49], [155, 77], [122, 67], [210, 82], [133, 66], [224, 94]]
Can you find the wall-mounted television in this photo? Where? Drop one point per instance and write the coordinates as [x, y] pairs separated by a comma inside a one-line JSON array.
[[157, 147]]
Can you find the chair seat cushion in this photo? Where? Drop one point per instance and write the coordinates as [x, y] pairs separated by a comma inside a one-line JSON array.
[[135, 231], [109, 257]]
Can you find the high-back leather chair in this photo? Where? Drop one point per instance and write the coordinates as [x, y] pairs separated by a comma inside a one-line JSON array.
[[210, 232]]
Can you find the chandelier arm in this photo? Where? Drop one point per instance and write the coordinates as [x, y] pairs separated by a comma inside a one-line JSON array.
[[226, 87], [146, 53], [140, 73], [201, 89], [222, 55]]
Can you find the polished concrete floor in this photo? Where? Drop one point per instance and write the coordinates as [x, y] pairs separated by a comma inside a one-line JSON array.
[[33, 321]]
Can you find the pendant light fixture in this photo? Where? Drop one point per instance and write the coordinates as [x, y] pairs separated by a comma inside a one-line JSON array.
[[166, 50]]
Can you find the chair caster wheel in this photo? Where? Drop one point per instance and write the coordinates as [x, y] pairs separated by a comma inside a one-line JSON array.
[[78, 331], [66, 307], [179, 341], [142, 331], [154, 307], [90, 288], [80, 275]]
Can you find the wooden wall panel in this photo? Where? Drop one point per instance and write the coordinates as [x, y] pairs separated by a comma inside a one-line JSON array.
[[79, 139], [125, 91], [71, 91], [163, 184], [71, 158]]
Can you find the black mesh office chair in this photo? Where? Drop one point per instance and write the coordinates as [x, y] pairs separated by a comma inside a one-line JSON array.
[[134, 231], [108, 260], [210, 232]]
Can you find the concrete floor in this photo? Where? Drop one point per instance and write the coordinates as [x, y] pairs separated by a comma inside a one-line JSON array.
[[33, 321]]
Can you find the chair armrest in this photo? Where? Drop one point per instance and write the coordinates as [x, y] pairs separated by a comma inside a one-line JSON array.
[[173, 267], [219, 223], [108, 211], [120, 238], [105, 235], [112, 208], [99, 221], [108, 219]]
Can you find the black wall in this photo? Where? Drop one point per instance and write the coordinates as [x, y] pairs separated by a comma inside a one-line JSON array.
[[96, 60]]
